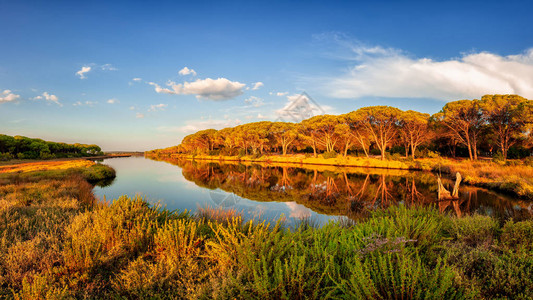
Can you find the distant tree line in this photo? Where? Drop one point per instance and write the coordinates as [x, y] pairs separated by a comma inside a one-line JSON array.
[[28, 148], [496, 125]]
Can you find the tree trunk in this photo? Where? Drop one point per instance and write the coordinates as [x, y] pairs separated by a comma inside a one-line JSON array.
[[346, 149], [469, 146]]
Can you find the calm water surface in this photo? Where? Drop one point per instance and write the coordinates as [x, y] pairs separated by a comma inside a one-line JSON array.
[[319, 193]]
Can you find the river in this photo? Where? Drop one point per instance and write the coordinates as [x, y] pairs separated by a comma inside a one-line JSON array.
[[295, 192]]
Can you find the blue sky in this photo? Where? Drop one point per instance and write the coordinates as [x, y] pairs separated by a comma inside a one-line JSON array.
[[108, 72]]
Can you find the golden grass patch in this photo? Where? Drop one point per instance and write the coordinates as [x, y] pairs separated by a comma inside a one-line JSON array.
[[46, 165]]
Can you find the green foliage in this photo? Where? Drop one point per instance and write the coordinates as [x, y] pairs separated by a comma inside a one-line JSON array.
[[98, 172], [426, 153], [28, 148], [6, 156], [498, 157], [330, 154], [473, 230], [517, 235]]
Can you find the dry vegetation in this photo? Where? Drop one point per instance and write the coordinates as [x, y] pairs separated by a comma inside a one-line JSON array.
[[515, 179], [46, 165]]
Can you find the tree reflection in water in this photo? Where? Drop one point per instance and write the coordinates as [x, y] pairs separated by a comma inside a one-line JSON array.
[[351, 192]]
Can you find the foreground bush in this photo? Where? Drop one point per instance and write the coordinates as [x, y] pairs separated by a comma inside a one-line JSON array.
[[65, 247]]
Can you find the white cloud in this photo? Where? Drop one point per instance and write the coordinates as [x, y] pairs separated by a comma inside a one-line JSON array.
[[156, 107], [108, 67], [385, 72], [86, 103], [83, 71], [257, 85], [255, 101], [137, 79], [194, 126], [187, 71], [139, 116], [261, 117], [113, 101], [48, 97], [280, 94], [298, 211], [211, 89], [8, 96], [132, 107]]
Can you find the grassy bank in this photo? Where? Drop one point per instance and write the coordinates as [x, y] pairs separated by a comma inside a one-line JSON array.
[[514, 177], [61, 245]]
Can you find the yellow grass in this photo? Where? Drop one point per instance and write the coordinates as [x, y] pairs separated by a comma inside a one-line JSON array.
[[46, 166], [349, 161]]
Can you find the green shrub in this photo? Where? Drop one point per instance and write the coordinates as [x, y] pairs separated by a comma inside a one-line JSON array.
[[426, 153], [330, 154], [6, 156], [98, 172], [498, 157], [397, 276], [491, 274], [396, 156], [213, 152], [473, 230], [518, 235]]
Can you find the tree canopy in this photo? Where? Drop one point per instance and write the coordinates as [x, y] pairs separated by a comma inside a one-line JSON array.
[[31, 148], [495, 122]]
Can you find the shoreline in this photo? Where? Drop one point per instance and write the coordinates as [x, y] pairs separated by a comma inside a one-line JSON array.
[[32, 161], [350, 161], [514, 180]]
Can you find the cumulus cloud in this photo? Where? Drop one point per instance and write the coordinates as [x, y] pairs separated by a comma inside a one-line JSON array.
[[187, 71], [139, 116], [257, 85], [84, 70], [48, 97], [137, 79], [194, 126], [211, 89], [281, 94], [8, 96], [386, 72], [112, 101], [156, 107]]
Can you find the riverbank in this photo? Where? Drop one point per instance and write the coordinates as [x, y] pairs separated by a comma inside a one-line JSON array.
[[71, 248], [513, 178], [99, 157]]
